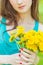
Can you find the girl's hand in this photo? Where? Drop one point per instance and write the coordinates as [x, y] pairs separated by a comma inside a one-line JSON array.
[[25, 57], [28, 57], [13, 59]]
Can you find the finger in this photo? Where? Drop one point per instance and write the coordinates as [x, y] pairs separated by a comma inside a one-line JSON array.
[[15, 56], [23, 58], [36, 60], [30, 57], [23, 63], [25, 54], [28, 51], [17, 61]]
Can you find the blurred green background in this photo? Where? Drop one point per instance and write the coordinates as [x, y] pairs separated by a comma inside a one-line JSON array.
[[41, 11]]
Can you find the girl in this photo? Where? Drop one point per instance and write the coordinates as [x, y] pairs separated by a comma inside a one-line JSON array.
[[15, 13]]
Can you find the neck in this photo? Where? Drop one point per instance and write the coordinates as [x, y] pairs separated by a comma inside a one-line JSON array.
[[26, 17]]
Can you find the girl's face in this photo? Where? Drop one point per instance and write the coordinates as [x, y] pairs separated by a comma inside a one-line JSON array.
[[21, 6]]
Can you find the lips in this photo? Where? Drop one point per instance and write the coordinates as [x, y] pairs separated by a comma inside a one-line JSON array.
[[21, 7]]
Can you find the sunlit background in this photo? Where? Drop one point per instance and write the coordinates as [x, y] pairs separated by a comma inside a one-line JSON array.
[[41, 10]]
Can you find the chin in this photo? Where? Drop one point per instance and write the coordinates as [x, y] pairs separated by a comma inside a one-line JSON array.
[[22, 11]]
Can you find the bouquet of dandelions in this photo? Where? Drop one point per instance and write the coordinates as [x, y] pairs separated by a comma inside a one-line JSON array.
[[31, 40]]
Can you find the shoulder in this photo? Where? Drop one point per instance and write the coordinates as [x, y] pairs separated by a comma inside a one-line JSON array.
[[41, 26], [1, 17]]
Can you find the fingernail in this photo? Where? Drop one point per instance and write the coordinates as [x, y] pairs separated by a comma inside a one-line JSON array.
[[22, 49], [19, 50], [19, 55], [20, 62]]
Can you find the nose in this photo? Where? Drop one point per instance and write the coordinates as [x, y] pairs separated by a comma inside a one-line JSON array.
[[19, 1]]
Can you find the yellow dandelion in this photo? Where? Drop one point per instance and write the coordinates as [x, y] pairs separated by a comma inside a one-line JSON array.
[[41, 46], [13, 32], [36, 40], [20, 30], [12, 38], [40, 32], [32, 32], [31, 46]]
